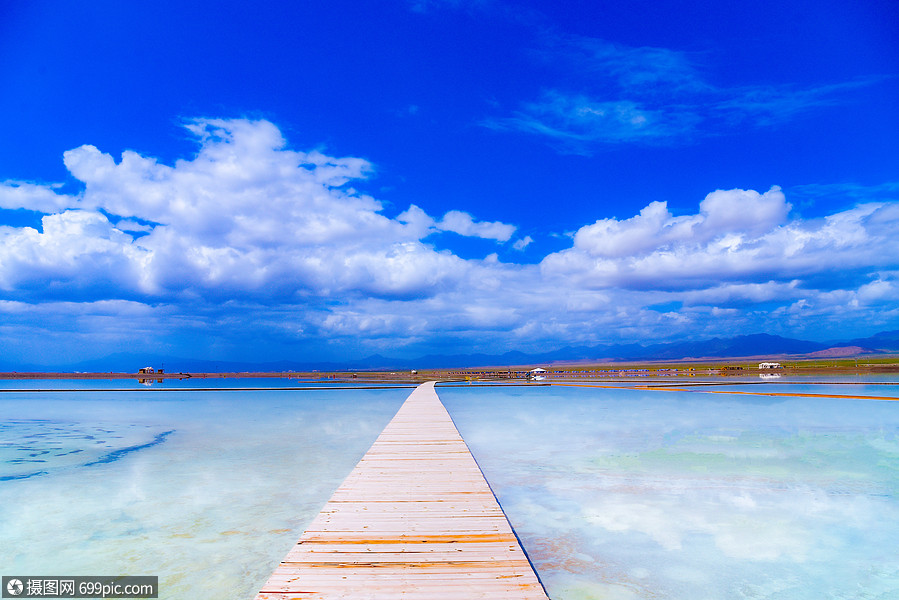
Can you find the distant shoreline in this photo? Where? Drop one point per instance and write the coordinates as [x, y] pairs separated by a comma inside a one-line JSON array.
[[683, 369]]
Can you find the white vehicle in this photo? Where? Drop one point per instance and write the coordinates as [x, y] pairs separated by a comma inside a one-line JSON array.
[[537, 374]]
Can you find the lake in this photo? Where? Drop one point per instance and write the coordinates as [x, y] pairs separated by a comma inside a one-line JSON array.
[[615, 493]]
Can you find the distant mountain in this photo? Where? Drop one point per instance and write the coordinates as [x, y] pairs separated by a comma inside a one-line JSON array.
[[743, 346], [760, 344], [885, 341], [839, 352], [10, 367]]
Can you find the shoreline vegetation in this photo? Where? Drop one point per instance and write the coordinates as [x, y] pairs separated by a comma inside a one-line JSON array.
[[723, 368]]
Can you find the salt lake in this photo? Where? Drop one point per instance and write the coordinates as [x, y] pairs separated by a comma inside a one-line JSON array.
[[615, 493]]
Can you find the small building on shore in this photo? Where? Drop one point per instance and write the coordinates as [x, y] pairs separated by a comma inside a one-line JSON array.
[[149, 371], [770, 365]]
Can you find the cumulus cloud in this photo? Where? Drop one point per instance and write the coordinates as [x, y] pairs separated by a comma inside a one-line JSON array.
[[454, 221], [249, 237], [417, 221], [245, 215], [523, 243], [721, 213], [737, 236], [462, 223], [31, 196], [78, 252]]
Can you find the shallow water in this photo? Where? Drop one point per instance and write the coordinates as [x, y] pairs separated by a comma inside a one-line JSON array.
[[615, 493], [207, 490], [639, 494]]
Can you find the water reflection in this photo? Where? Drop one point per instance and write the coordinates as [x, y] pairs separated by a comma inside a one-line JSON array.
[[672, 494]]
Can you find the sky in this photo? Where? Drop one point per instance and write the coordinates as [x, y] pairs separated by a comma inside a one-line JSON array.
[[330, 180]]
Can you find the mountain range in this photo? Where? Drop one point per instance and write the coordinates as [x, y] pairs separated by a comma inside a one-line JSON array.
[[743, 346]]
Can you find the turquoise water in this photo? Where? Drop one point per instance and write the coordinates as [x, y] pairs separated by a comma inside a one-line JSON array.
[[859, 388], [616, 494], [627, 494], [207, 490]]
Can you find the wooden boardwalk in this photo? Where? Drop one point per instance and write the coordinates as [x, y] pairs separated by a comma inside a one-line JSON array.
[[414, 520]]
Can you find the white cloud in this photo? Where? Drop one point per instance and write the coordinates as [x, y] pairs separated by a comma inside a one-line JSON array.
[[462, 223], [251, 238], [743, 211], [745, 293], [246, 215], [421, 225], [77, 250], [578, 120], [725, 215], [617, 94], [31, 196], [523, 243], [417, 220], [878, 291], [455, 221], [738, 236]]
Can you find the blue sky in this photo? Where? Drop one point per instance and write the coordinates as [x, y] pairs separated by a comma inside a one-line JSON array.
[[330, 180]]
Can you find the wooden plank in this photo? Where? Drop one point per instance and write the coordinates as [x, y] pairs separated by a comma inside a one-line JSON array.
[[414, 520]]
